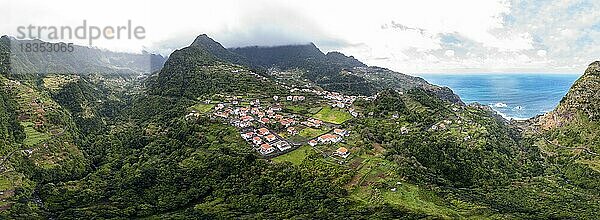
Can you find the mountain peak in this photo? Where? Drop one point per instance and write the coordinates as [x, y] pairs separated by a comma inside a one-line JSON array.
[[582, 100], [593, 68], [204, 40], [343, 60], [207, 44]]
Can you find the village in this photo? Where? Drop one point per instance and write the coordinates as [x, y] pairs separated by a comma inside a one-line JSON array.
[[272, 129]]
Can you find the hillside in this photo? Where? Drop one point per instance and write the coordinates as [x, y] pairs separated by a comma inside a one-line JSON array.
[[575, 120], [207, 137], [569, 134], [194, 71], [217, 50], [336, 71], [82, 60], [383, 78], [582, 100]]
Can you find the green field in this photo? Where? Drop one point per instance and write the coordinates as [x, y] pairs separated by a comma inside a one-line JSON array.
[[332, 115], [203, 108], [296, 157], [314, 110], [298, 109], [33, 137], [310, 133], [375, 179]]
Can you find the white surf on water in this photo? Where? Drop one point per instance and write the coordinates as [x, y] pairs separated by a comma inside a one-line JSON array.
[[514, 96]]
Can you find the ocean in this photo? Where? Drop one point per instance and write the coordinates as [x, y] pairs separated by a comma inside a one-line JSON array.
[[516, 96]]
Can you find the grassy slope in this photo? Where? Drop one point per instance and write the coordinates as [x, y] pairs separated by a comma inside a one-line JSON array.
[[296, 157], [332, 115]]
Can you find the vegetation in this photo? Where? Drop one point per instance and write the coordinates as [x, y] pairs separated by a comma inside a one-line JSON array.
[[332, 115], [296, 157], [101, 146], [203, 108], [310, 133]]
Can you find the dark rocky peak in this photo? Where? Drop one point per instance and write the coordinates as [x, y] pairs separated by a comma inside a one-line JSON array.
[[343, 60]]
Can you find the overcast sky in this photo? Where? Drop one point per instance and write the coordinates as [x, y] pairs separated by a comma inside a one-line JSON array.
[[413, 37]]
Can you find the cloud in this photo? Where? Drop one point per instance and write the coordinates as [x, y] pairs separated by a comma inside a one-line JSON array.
[[542, 53], [411, 37]]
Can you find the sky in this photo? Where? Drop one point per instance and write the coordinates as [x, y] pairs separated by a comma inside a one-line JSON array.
[[424, 36]]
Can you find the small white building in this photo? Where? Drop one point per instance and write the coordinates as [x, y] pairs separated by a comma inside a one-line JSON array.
[[247, 135], [266, 149], [340, 132], [342, 152], [271, 138], [256, 140], [282, 145]]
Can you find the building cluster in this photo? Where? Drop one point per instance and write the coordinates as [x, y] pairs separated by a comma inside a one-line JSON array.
[[265, 141], [253, 122], [312, 123], [260, 125], [338, 100], [295, 98], [329, 138]]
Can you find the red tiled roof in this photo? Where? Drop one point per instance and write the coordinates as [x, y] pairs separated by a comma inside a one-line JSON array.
[[265, 146], [263, 130], [328, 136], [246, 118]]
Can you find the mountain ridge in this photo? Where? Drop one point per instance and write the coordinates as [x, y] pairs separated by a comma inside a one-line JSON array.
[[82, 60], [582, 100]]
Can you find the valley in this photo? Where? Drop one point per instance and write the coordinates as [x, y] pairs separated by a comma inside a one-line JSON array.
[[284, 132]]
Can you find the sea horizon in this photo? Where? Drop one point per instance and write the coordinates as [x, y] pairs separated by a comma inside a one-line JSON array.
[[516, 96]]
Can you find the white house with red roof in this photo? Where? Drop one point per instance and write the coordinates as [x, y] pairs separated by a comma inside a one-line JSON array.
[[282, 145], [342, 152], [257, 140], [329, 138], [247, 135], [292, 131], [271, 138], [266, 149], [263, 131], [340, 132], [265, 120], [287, 122]]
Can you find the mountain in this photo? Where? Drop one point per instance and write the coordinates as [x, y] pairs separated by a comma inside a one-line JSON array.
[[217, 50], [172, 145], [284, 57], [82, 60], [202, 69], [343, 60], [338, 72], [569, 134], [576, 120], [383, 78], [583, 99]]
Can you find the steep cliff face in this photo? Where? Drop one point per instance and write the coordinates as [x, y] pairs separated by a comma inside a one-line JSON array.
[[584, 96], [582, 102]]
